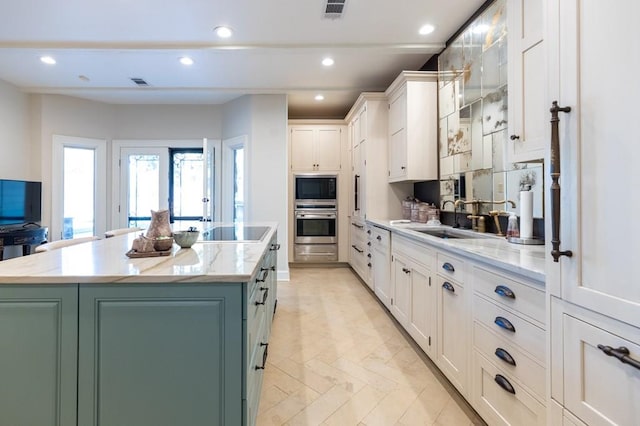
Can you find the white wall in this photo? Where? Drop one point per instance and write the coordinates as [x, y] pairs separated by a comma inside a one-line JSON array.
[[263, 119], [15, 137], [167, 122]]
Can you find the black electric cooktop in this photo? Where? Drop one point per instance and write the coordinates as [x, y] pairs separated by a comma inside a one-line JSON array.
[[235, 233]]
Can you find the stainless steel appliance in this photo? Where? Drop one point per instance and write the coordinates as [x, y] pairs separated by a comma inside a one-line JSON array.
[[316, 218]]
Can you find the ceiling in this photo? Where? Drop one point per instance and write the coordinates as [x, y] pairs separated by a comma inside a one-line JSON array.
[[277, 47]]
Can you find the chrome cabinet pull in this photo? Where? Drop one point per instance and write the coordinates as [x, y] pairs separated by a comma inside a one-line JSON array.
[[448, 267], [505, 291], [555, 186], [264, 356], [447, 286], [622, 354], [504, 323], [505, 356], [504, 383]]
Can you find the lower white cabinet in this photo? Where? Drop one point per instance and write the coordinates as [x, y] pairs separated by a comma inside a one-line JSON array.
[[413, 302], [358, 249], [381, 264], [601, 386]]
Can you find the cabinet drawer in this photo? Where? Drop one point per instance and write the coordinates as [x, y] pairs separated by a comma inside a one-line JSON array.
[[450, 267], [518, 296], [599, 389], [499, 406], [256, 317], [421, 253], [380, 238], [255, 377], [529, 372], [526, 335]]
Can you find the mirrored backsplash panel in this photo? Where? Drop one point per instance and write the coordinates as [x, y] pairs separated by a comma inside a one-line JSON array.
[[473, 108]]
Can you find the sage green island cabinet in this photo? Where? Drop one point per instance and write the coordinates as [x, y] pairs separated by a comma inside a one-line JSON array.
[[38, 355], [163, 341]]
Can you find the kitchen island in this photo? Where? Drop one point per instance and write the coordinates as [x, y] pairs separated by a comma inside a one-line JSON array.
[[89, 336]]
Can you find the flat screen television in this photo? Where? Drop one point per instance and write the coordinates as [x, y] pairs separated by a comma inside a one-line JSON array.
[[20, 202]]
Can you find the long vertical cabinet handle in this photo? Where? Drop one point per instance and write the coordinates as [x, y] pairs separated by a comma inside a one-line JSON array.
[[555, 186], [356, 195]]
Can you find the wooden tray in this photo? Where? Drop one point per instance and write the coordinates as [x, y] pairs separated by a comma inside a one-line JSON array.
[[134, 254]]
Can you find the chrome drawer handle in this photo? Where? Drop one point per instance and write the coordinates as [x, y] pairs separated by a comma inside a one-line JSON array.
[[447, 286], [622, 354], [504, 383], [264, 356], [448, 267], [264, 296], [504, 323], [505, 356], [505, 291]]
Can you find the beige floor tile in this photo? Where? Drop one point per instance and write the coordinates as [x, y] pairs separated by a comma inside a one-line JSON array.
[[321, 408], [276, 377], [354, 410], [270, 396], [427, 407], [367, 376], [391, 408], [452, 414], [339, 377], [280, 413], [306, 375]]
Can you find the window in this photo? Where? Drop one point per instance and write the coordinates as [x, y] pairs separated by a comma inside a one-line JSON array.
[[186, 174]]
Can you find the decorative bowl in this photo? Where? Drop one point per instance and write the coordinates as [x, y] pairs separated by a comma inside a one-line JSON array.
[[162, 243], [186, 239]]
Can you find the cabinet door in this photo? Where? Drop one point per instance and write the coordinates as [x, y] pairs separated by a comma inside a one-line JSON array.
[[38, 355], [422, 315], [160, 355], [527, 112], [453, 335], [382, 275], [302, 148], [328, 148], [401, 301], [599, 389], [398, 136], [599, 154]]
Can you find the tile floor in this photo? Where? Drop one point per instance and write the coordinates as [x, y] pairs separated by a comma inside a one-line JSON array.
[[336, 357]]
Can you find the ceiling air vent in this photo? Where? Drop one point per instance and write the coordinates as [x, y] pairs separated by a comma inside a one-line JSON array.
[[139, 81], [334, 9]]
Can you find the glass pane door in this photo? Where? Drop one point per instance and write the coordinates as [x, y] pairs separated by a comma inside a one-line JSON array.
[[186, 186], [79, 185]]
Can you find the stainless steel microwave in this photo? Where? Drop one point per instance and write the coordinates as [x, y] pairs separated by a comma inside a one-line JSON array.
[[316, 187]]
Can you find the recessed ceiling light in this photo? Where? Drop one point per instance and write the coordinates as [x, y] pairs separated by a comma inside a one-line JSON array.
[[319, 98], [185, 60], [48, 60], [327, 62], [223, 32], [426, 29]]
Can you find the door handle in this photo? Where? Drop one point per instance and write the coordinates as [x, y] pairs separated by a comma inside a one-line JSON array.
[[555, 185]]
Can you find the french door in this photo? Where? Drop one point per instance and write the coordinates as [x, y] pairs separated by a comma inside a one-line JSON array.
[[181, 176]]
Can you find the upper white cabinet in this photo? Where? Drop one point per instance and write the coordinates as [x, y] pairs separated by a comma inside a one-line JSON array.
[[596, 162], [316, 147], [528, 118], [413, 127], [371, 196]]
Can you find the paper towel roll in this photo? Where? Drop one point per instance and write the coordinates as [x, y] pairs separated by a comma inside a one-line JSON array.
[[526, 214]]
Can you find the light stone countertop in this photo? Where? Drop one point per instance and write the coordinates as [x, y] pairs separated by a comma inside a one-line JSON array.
[[526, 260], [104, 261]]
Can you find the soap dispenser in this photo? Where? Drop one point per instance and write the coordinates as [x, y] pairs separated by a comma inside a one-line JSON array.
[[512, 226]]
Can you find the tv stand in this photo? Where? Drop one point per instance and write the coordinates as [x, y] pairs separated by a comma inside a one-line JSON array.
[[22, 236]]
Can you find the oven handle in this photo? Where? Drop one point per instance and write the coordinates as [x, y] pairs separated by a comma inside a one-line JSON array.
[[315, 215]]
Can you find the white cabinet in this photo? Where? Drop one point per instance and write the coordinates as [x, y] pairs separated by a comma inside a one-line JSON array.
[[370, 193], [598, 157], [359, 249], [453, 321], [316, 147], [413, 127], [381, 260], [528, 119], [414, 300]]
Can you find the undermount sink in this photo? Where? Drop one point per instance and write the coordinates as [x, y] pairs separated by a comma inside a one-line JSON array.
[[447, 234]]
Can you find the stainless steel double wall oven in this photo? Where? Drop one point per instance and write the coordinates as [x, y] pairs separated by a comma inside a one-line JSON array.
[[316, 218]]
